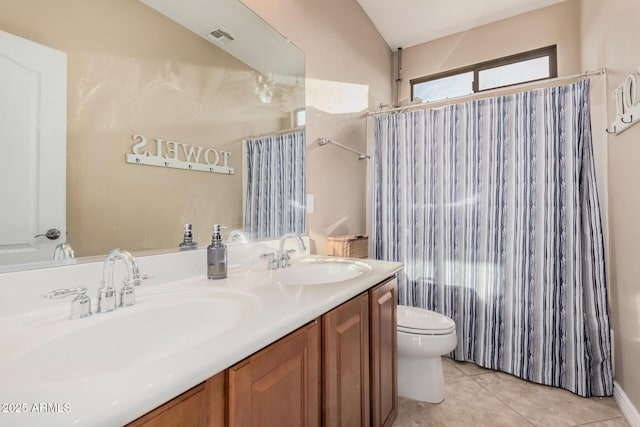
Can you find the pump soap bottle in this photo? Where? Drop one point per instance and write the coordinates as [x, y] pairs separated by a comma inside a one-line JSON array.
[[216, 256], [187, 239]]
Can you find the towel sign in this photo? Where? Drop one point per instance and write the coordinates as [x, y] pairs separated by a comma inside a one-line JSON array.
[[177, 155], [627, 104]]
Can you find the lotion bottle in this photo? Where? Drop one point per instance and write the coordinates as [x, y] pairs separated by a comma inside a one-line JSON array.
[[216, 256]]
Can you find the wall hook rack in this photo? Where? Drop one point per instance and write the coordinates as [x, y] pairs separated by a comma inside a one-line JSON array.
[[627, 102]]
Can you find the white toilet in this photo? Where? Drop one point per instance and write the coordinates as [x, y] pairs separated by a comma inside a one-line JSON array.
[[423, 337]]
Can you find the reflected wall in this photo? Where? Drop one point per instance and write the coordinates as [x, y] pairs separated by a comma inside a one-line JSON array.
[[133, 71], [345, 58]]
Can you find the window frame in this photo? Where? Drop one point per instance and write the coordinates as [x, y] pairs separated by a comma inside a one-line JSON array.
[[547, 51]]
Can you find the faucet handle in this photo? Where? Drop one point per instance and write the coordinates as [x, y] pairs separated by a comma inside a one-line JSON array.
[[272, 261], [62, 293], [80, 305], [127, 292], [285, 258], [136, 281]]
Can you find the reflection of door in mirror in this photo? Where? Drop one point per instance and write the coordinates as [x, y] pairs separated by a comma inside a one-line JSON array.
[[33, 145]]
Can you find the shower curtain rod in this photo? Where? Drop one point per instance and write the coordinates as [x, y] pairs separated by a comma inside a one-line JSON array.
[[483, 94], [280, 132], [325, 141]]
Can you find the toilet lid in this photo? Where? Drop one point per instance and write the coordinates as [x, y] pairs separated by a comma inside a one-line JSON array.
[[420, 321]]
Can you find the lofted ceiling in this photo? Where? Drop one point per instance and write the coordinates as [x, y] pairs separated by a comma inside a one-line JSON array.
[[404, 23]]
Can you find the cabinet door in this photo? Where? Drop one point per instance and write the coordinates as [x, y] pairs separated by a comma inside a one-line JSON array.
[[345, 364], [202, 406], [384, 383], [280, 385]]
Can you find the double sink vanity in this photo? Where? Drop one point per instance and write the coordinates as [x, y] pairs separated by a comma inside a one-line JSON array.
[[310, 344]]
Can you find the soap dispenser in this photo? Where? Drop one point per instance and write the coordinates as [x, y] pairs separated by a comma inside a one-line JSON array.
[[187, 239], [216, 255]]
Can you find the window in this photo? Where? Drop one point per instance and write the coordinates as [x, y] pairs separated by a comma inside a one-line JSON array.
[[299, 118], [524, 67]]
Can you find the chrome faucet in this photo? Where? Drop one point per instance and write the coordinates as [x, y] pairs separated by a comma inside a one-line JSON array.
[[63, 251], [107, 292], [284, 260]]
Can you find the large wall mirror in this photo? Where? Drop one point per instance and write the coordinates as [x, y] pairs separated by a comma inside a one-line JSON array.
[[182, 75]]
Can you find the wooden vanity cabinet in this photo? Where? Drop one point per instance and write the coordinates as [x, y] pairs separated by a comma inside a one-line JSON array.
[[279, 385], [338, 370], [202, 406], [345, 364], [384, 355], [359, 360]]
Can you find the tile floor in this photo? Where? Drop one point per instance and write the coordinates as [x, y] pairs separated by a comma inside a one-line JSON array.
[[478, 397]]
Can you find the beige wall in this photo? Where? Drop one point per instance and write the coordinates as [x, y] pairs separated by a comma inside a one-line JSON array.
[[610, 35], [133, 71], [558, 24], [590, 34], [348, 71]]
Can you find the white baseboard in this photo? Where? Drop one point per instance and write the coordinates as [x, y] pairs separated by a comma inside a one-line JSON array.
[[628, 410]]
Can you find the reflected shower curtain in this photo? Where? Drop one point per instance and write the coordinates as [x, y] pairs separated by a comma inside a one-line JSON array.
[[275, 185], [492, 206]]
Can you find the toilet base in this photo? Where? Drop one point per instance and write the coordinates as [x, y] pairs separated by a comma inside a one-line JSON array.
[[421, 378]]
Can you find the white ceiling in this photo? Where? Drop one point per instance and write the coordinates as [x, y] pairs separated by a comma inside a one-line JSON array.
[[404, 23]]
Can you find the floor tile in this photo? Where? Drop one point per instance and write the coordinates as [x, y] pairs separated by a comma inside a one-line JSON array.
[[450, 370], [469, 368], [466, 404], [616, 422], [547, 406]]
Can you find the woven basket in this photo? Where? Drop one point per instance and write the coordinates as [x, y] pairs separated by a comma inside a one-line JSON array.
[[349, 246]]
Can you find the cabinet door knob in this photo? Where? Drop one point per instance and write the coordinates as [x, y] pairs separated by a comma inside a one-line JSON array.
[[51, 234]]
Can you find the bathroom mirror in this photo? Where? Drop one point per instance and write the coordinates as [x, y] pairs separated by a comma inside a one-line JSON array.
[[205, 79]]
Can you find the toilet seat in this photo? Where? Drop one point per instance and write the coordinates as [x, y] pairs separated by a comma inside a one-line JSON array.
[[419, 321]]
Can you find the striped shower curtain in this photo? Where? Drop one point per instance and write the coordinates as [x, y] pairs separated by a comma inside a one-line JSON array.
[[492, 206], [275, 185]]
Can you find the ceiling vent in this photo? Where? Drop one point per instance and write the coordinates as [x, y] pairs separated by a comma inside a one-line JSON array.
[[221, 36]]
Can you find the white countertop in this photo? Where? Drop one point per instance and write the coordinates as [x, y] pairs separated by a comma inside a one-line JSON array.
[[118, 397]]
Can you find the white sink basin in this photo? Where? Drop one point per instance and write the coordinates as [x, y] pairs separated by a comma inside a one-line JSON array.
[[320, 272], [155, 327]]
